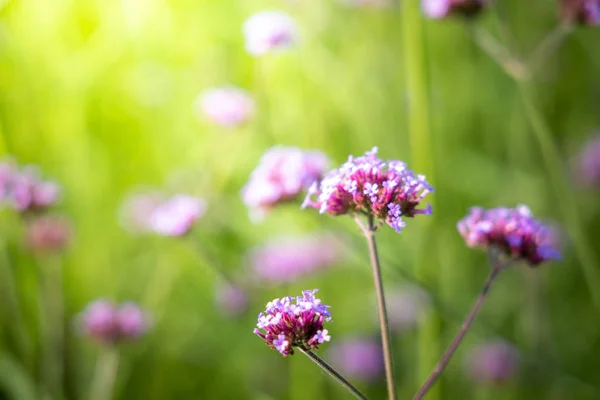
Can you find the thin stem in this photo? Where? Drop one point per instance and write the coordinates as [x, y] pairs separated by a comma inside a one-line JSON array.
[[369, 232], [333, 373], [549, 46], [105, 375], [439, 368]]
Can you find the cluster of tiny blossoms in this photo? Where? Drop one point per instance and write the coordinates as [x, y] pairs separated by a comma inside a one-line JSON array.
[[512, 231], [288, 323], [227, 106], [436, 9], [583, 12], [110, 324], [24, 190], [388, 190]]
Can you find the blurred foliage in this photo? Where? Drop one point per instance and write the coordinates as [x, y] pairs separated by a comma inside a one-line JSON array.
[[100, 94]]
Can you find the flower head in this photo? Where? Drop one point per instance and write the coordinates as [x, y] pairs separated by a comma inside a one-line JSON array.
[[267, 31], [357, 358], [282, 174], [48, 233], [583, 12], [24, 190], [493, 362], [226, 106], [136, 211], [437, 9], [388, 190], [231, 299], [107, 323], [287, 259], [177, 215], [588, 164], [512, 231], [291, 322]]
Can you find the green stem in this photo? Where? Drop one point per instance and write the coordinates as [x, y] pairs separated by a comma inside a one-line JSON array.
[[333, 373], [369, 232], [105, 375]]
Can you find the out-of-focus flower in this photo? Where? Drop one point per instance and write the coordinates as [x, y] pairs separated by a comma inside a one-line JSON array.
[[177, 215], [357, 358], [48, 233], [583, 12], [7, 171], [367, 185], [437, 9], [588, 164], [104, 322], [267, 31], [292, 322], [225, 106], [282, 174], [25, 190], [287, 259], [136, 212], [231, 299], [493, 362], [512, 231], [404, 306]]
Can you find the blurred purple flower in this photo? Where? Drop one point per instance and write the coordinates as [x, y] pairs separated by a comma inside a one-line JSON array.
[[109, 324], [48, 233], [437, 9], [136, 212], [404, 307], [584, 12], [225, 106], [292, 322], [357, 358], [7, 171], [512, 231], [494, 362], [231, 299], [267, 31], [177, 215], [287, 259], [282, 174], [588, 164], [367, 185], [24, 190]]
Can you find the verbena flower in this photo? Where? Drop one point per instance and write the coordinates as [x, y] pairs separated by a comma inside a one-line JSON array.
[[357, 358], [512, 231], [437, 9], [494, 362], [48, 233], [24, 190], [226, 106], [267, 31], [107, 323], [287, 259], [135, 213], [231, 299], [367, 185], [583, 12], [282, 174], [588, 164], [177, 215], [291, 322]]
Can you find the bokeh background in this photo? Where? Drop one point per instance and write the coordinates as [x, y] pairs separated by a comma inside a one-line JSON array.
[[100, 94]]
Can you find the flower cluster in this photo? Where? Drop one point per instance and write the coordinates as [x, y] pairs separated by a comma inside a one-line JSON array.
[[176, 215], [288, 323], [267, 31], [282, 174], [437, 9], [512, 231], [24, 190], [226, 106], [287, 259], [48, 233], [231, 299], [357, 358], [109, 324], [388, 190], [584, 12], [493, 362], [588, 164], [136, 211]]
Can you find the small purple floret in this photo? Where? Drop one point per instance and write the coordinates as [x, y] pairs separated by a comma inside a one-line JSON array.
[[107, 323]]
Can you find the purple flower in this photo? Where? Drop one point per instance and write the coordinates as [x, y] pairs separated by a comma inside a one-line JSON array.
[[282, 174], [287, 259], [357, 358], [493, 362], [176, 216], [7, 171], [25, 190], [583, 12], [136, 212], [109, 324], [226, 106], [48, 233], [437, 9], [588, 164], [291, 322], [404, 307], [512, 231], [231, 299], [367, 185], [267, 31]]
